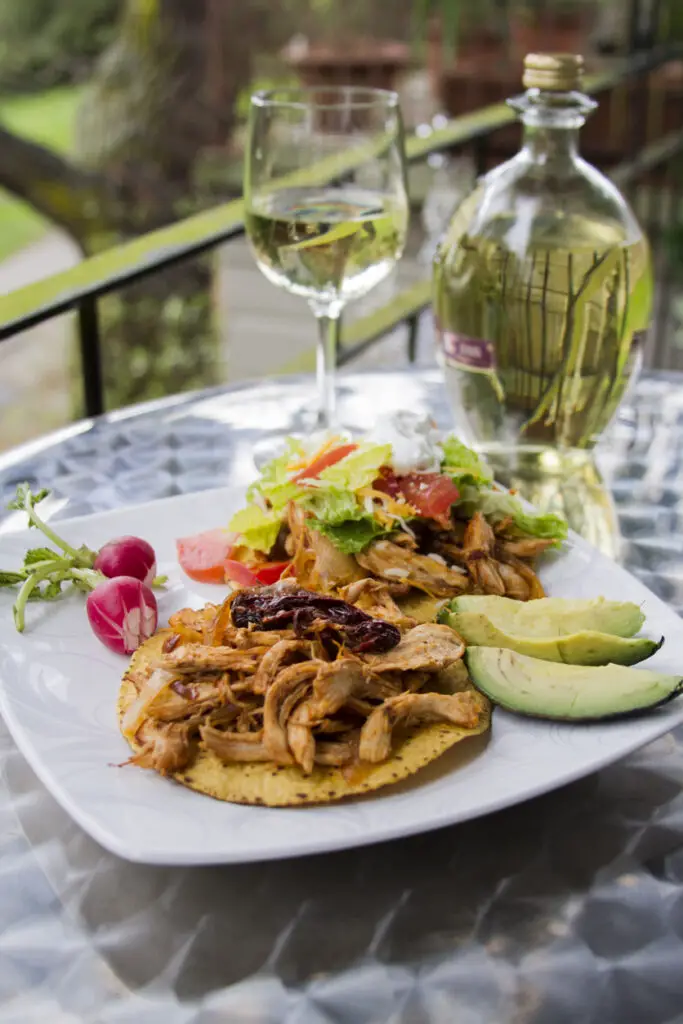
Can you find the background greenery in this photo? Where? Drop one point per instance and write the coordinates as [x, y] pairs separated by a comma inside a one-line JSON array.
[[44, 43], [48, 118]]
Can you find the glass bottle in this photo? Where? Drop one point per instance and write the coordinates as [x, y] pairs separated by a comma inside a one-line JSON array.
[[542, 287]]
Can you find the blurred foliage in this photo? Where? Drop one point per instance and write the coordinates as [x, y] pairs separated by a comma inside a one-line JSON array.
[[146, 119], [159, 337], [672, 20], [52, 42], [47, 118]]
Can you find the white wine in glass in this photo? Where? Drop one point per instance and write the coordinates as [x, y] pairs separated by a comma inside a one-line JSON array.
[[327, 243]]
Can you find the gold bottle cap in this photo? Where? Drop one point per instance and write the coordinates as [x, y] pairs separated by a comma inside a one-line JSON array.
[[556, 72]]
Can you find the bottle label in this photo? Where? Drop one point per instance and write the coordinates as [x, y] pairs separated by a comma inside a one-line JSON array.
[[472, 353]]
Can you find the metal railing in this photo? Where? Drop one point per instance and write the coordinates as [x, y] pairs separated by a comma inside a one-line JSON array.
[[82, 287]]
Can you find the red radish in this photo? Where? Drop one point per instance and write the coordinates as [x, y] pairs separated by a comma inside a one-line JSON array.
[[123, 613], [127, 556], [203, 556]]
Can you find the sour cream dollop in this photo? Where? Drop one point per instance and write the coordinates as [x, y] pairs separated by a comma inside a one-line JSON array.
[[414, 441]]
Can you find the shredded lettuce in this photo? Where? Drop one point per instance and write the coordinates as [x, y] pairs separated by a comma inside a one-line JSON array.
[[463, 465], [497, 505], [259, 527], [341, 518], [333, 506], [273, 484], [352, 536], [259, 522], [359, 469]]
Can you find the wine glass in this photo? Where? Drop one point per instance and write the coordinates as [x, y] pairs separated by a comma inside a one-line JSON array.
[[328, 243]]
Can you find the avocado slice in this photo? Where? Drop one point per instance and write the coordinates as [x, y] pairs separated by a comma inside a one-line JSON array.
[[553, 616], [574, 693], [585, 648]]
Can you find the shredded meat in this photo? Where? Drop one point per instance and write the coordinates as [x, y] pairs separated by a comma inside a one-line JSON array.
[[462, 709], [277, 656], [385, 558], [375, 598], [190, 624], [515, 585], [479, 539], [166, 748], [427, 647], [316, 563], [334, 568], [338, 752], [274, 728], [526, 573], [250, 694], [248, 639], [198, 658], [524, 547], [494, 566], [231, 746], [177, 701]]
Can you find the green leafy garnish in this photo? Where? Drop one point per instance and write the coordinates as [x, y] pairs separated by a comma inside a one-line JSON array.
[[45, 572], [497, 505], [26, 501], [36, 555], [359, 469], [463, 465], [330, 497], [333, 506], [258, 528], [274, 488], [259, 522], [10, 579], [353, 536]]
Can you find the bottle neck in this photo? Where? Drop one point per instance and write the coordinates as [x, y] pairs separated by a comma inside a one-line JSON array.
[[551, 125], [550, 146]]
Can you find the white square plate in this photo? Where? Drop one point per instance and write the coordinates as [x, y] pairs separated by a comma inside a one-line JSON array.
[[58, 690]]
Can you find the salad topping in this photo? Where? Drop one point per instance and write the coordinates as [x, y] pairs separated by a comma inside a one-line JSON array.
[[357, 493]]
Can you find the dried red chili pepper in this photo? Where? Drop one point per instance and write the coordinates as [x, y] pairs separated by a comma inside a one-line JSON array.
[[310, 614]]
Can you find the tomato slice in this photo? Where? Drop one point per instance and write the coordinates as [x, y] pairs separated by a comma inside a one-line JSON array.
[[203, 556], [324, 461], [238, 572], [388, 483], [270, 572], [431, 494]]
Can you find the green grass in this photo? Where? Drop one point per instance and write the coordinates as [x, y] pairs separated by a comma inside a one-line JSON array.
[[47, 118]]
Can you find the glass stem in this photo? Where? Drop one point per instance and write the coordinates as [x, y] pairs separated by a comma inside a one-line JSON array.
[[329, 323]]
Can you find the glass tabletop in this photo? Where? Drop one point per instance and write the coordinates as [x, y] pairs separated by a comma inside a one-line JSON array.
[[567, 908]]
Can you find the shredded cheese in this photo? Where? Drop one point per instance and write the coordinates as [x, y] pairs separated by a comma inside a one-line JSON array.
[[389, 504]]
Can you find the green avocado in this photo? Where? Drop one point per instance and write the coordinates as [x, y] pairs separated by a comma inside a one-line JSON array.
[[575, 693], [585, 648], [553, 616]]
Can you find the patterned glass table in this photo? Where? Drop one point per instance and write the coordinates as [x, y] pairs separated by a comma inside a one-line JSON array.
[[568, 908]]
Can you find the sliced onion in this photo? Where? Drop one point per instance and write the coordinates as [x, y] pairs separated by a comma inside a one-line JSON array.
[[137, 711]]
